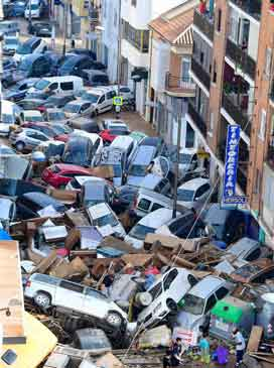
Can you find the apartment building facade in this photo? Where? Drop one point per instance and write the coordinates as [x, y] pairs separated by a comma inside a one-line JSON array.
[[136, 16], [170, 85], [232, 66]]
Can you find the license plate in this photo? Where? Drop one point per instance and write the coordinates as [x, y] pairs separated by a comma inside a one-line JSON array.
[[222, 326]]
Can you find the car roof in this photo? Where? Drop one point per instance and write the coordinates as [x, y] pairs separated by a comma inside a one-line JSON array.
[[157, 218], [121, 140], [29, 130], [62, 79], [206, 286], [144, 155], [194, 184], [32, 57], [77, 102], [143, 192], [94, 72], [81, 179], [54, 109], [242, 246], [189, 151], [42, 198], [150, 181], [32, 112]]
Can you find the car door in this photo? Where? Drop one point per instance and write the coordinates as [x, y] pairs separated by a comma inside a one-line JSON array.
[[94, 303], [101, 106], [109, 100], [70, 295], [38, 138]]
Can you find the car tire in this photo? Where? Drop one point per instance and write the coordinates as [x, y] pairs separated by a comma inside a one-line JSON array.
[[114, 319], [43, 300], [20, 146], [172, 306]]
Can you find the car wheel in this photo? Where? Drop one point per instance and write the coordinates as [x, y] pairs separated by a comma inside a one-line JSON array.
[[172, 306], [43, 300], [114, 319], [20, 146]]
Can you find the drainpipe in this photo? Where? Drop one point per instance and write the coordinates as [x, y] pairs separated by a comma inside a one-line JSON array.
[[211, 7]]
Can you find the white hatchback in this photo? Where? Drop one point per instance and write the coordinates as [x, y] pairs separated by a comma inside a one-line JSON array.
[[194, 193]]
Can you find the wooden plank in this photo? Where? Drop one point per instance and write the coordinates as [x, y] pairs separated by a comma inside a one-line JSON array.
[[45, 264], [255, 339]]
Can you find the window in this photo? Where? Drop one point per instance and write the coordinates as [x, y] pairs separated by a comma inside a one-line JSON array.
[[102, 99], [190, 136], [214, 79], [67, 86], [263, 125], [71, 286], [219, 20], [212, 121], [268, 61], [169, 279], [192, 280], [202, 57], [210, 303], [255, 254], [144, 204], [109, 95], [185, 68], [269, 191], [53, 86], [156, 291], [134, 3], [156, 206], [221, 293]]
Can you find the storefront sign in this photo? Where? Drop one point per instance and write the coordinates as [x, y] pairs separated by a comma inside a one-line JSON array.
[[231, 162]]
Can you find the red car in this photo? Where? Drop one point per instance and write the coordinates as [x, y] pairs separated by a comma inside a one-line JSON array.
[[108, 135], [47, 129], [59, 175]]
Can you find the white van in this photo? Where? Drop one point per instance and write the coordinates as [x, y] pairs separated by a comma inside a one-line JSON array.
[[101, 98], [148, 225], [125, 144], [67, 85], [33, 9], [148, 201], [10, 116]]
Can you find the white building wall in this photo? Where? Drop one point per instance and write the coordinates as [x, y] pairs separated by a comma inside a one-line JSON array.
[[135, 57], [160, 59], [110, 32]]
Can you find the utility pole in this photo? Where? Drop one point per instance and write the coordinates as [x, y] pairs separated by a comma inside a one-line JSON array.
[[30, 15], [119, 46], [65, 28], [179, 130]]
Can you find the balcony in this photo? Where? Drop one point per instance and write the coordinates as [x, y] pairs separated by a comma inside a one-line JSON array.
[[251, 7], [177, 87], [242, 60], [237, 111], [205, 23], [200, 73], [197, 118]]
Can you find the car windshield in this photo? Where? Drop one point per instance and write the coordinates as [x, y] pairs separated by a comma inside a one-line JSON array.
[[140, 231], [41, 84], [185, 195], [56, 115], [62, 129], [184, 158], [138, 170], [33, 118], [24, 65], [117, 169], [33, 7], [89, 97], [11, 41], [24, 49], [108, 219], [75, 155], [72, 108], [193, 304]]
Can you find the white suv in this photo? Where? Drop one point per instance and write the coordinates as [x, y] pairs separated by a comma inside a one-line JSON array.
[[48, 291], [166, 294]]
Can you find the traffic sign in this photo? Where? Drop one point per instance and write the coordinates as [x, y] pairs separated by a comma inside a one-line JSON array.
[[118, 101]]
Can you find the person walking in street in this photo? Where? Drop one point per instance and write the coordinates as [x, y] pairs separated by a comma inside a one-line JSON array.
[[240, 346]]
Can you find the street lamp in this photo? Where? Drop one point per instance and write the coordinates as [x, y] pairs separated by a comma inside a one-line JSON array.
[[136, 79]]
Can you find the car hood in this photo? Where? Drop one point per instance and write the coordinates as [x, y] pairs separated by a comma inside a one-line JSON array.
[[186, 204]]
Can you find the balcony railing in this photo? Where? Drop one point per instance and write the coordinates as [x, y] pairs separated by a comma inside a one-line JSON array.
[[178, 86], [251, 7], [200, 73], [205, 23], [240, 57], [237, 114], [197, 118]]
